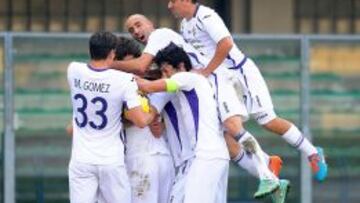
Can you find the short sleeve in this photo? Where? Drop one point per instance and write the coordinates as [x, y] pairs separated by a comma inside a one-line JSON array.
[[157, 41], [214, 26], [185, 80], [159, 100], [130, 95]]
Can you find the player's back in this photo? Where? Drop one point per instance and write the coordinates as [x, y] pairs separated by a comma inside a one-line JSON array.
[[198, 110], [175, 132], [97, 98]]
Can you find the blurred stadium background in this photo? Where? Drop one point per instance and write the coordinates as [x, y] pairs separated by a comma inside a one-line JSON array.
[[314, 80]]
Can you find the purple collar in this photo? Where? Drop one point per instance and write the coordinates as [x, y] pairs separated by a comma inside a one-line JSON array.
[[95, 69]]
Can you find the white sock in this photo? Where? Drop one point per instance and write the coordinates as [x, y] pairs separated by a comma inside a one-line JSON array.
[[295, 138], [260, 162], [246, 162]]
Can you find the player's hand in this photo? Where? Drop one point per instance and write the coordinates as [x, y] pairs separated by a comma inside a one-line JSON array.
[[142, 84]]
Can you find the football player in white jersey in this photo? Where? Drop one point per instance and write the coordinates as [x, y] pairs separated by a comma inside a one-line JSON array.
[[204, 29], [177, 137], [148, 161], [206, 180], [230, 109], [98, 94]]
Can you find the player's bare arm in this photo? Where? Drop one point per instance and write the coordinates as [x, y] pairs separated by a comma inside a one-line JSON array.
[[140, 118], [222, 50], [137, 66], [148, 86]]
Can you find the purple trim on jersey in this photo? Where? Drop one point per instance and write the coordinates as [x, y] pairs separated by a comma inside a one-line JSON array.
[[193, 100], [217, 96], [95, 69], [198, 27], [246, 81], [231, 59], [171, 112], [239, 66], [193, 55], [196, 10], [123, 138]]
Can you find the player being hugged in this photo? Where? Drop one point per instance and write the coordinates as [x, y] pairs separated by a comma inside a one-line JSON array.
[[206, 180], [148, 161]]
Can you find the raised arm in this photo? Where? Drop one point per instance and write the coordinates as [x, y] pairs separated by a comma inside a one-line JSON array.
[[161, 85], [140, 118], [223, 48], [137, 66]]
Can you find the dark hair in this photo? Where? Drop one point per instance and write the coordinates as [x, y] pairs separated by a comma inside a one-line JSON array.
[[101, 44], [126, 46], [153, 74], [173, 55], [194, 1]]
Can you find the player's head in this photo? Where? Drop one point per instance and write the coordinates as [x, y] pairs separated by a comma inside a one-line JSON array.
[[140, 27], [182, 8], [172, 59], [102, 46], [153, 74], [126, 49]]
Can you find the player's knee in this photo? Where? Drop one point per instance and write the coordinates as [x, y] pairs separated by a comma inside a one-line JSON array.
[[277, 125]]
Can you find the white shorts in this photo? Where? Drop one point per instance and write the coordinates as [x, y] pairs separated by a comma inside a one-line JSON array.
[[228, 101], [201, 180], [256, 94], [151, 178], [90, 183]]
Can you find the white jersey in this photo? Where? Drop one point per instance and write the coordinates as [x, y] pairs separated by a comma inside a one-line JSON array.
[[198, 110], [204, 30], [97, 98], [140, 141], [175, 132], [221, 80], [162, 37]]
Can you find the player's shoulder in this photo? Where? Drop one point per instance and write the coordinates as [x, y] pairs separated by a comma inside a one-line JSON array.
[[188, 75], [205, 12], [163, 31], [121, 76], [165, 35], [76, 66]]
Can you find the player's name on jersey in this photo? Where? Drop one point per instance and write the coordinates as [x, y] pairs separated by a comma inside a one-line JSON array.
[[91, 86]]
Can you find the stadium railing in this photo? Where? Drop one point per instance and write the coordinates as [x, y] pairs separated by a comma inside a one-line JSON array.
[[314, 82]]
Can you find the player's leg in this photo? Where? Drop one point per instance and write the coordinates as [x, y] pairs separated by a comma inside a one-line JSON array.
[[144, 178], [177, 193], [262, 110], [292, 135], [239, 156], [83, 182], [114, 183], [230, 111], [204, 185], [166, 173]]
